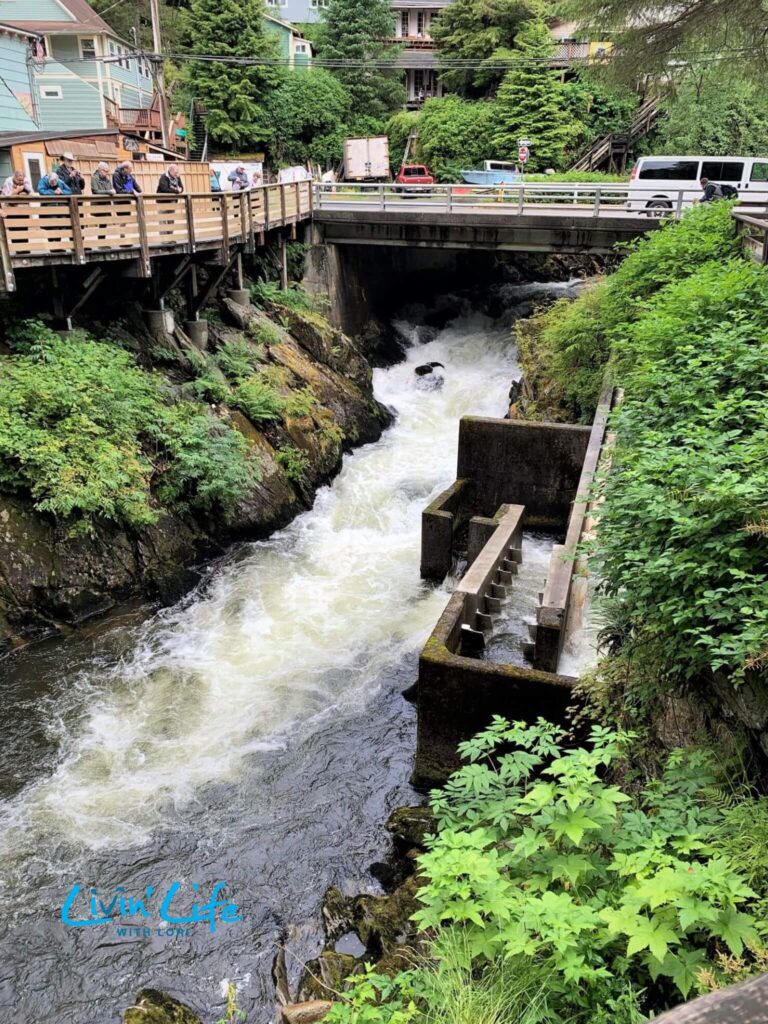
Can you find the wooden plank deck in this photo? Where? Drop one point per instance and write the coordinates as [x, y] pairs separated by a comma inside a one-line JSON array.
[[53, 230]]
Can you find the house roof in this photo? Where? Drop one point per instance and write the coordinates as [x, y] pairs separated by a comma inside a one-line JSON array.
[[83, 19]]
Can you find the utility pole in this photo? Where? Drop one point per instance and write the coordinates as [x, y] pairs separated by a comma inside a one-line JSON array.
[[157, 46]]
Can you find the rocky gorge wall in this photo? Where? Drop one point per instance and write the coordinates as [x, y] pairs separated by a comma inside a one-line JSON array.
[[53, 577]]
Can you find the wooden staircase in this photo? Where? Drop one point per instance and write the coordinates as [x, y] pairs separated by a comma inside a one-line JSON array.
[[612, 152]]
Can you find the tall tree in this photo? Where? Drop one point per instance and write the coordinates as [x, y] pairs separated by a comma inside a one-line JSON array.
[[233, 94], [476, 31], [531, 104], [716, 113], [357, 30], [656, 36], [125, 17], [309, 113]]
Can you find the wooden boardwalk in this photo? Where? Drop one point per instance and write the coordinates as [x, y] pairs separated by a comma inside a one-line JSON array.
[[754, 232], [78, 230]]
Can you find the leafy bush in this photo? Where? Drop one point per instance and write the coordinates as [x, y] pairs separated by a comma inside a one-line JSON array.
[[294, 461], [268, 293], [238, 359], [301, 403], [538, 855], [265, 334], [87, 433], [259, 400], [680, 539], [455, 132], [574, 340]]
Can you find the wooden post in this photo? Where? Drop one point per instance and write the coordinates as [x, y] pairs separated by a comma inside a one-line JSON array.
[[77, 230], [246, 219], [283, 264], [145, 265], [764, 257], [188, 202], [311, 189], [596, 205], [224, 228], [239, 272], [192, 293], [9, 279], [266, 208], [282, 203], [298, 201]]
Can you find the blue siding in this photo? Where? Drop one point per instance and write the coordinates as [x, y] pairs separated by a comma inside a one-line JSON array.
[[295, 11], [33, 10], [14, 86], [79, 107], [68, 48]]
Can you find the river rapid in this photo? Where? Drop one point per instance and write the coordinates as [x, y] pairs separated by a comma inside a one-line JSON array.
[[254, 733]]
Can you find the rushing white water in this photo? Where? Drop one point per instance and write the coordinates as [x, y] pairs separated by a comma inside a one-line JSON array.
[[291, 629]]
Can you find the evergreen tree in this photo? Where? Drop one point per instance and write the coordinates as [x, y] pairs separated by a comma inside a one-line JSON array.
[[531, 104], [233, 94], [309, 113], [477, 31], [357, 30]]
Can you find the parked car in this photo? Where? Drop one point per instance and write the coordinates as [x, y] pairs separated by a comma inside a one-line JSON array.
[[411, 175], [656, 181]]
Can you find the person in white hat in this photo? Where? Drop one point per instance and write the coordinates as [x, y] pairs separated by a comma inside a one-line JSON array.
[[69, 174]]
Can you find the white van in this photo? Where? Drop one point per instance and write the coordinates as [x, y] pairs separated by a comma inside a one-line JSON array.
[[656, 181]]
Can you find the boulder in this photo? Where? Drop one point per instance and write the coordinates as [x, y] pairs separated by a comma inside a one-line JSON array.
[[306, 1013], [409, 825], [155, 1007]]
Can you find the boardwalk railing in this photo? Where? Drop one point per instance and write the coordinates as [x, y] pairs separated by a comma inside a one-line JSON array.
[[587, 200], [83, 229], [754, 230]]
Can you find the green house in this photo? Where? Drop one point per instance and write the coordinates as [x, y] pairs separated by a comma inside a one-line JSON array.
[[65, 69], [294, 45]]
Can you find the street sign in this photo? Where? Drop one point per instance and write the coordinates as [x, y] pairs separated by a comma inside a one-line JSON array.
[[522, 154], [524, 143]]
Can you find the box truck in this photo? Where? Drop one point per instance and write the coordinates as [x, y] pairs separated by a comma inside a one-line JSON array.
[[367, 159]]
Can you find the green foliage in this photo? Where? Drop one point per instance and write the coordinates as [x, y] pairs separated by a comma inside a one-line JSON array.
[[715, 113], [233, 94], [233, 1013], [309, 114], [539, 855], [357, 30], [301, 403], [601, 109], [530, 104], [268, 293], [259, 399], [294, 461], [398, 129], [573, 340], [265, 334], [238, 359], [474, 31], [88, 433], [680, 539], [455, 134]]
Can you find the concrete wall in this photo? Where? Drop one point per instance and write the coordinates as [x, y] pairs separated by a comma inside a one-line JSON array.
[[521, 463], [458, 696]]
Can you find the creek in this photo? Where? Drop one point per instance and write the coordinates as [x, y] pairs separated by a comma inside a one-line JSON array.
[[254, 733]]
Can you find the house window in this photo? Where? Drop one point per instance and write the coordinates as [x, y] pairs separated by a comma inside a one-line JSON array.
[[301, 47], [421, 23], [405, 23], [88, 49], [51, 92]]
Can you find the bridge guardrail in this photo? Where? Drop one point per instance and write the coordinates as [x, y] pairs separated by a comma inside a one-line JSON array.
[[584, 199]]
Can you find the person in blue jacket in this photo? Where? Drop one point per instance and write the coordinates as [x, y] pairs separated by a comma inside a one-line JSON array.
[[52, 185]]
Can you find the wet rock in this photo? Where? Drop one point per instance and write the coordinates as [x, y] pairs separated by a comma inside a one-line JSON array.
[[425, 368], [155, 1007], [337, 914], [384, 922], [409, 825], [306, 1013], [351, 945], [325, 975]]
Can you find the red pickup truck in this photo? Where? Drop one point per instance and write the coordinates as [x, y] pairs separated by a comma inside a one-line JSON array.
[[413, 174]]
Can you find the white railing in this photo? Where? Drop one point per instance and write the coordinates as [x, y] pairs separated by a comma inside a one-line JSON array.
[[588, 199]]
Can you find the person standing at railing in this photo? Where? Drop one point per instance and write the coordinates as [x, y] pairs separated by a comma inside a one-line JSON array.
[[215, 183], [70, 175], [17, 185], [123, 180], [239, 178], [101, 181], [52, 185], [171, 182]]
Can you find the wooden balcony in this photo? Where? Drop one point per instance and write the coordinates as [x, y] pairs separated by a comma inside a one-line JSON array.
[[412, 42], [145, 121]]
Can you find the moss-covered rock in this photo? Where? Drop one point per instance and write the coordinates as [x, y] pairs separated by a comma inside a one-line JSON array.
[[155, 1007]]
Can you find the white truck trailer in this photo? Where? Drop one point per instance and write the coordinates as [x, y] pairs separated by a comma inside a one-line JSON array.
[[367, 159]]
